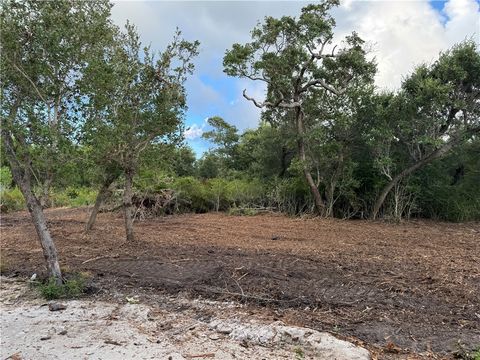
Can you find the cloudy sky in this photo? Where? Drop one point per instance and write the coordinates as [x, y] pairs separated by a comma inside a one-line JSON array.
[[401, 34]]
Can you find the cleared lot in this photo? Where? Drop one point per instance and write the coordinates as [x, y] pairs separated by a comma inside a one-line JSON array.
[[413, 286]]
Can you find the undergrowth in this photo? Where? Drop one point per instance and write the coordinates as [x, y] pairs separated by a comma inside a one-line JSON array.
[[70, 289]]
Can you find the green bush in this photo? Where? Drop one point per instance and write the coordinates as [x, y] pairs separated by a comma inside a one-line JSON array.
[[74, 197], [192, 195], [217, 194], [5, 178], [290, 196], [71, 288], [12, 200]]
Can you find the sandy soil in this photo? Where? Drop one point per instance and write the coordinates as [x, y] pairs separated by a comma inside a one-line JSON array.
[[93, 329], [410, 288]]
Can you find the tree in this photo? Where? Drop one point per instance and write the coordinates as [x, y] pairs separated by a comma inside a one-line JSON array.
[[290, 56], [46, 46], [209, 165], [224, 136], [437, 109], [139, 100]]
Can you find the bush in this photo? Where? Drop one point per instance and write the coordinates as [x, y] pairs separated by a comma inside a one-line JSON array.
[[74, 197], [192, 195], [12, 200], [290, 196], [71, 288], [5, 178]]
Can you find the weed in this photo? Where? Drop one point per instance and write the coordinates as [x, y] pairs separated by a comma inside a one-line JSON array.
[[71, 288], [465, 354], [3, 266], [299, 353]]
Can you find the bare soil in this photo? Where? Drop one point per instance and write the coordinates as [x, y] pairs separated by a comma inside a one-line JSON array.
[[409, 288]]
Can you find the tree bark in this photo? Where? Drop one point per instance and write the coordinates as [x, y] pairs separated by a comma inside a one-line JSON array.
[[317, 197], [127, 205], [21, 175], [48, 246], [409, 170], [45, 196], [102, 194]]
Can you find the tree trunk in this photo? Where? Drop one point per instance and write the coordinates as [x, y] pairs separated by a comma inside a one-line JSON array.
[[48, 246], [127, 205], [45, 195], [21, 175], [386, 190], [102, 194], [319, 204]]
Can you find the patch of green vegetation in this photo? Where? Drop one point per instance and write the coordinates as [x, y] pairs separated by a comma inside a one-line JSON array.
[[71, 288], [299, 353], [11, 199], [476, 354], [3, 266], [465, 354]]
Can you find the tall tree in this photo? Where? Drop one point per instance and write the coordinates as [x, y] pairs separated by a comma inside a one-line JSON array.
[[45, 47], [437, 109], [138, 100], [294, 57]]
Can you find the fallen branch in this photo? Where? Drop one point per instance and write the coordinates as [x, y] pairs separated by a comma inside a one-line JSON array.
[[208, 355], [95, 258], [112, 342]]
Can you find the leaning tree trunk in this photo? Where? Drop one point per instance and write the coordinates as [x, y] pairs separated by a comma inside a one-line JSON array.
[[127, 205], [21, 175], [48, 246], [317, 197], [386, 190], [102, 194], [45, 195]]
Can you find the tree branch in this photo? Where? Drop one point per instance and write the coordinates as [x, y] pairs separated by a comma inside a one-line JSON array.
[[322, 83], [279, 103], [29, 80]]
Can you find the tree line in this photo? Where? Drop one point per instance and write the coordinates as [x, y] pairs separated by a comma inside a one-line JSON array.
[[85, 103]]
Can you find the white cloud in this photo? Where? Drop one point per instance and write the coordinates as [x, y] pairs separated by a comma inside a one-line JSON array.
[[402, 34], [405, 34], [193, 132]]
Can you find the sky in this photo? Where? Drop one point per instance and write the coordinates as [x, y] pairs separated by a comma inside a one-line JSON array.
[[400, 34]]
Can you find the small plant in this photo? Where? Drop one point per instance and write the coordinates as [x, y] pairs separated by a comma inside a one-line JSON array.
[[71, 288], [3, 266], [299, 353], [465, 354]]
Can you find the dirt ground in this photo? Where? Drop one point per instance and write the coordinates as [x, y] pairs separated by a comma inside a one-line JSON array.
[[176, 328], [410, 288]]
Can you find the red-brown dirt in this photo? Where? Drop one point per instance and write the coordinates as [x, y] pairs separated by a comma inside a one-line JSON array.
[[413, 286]]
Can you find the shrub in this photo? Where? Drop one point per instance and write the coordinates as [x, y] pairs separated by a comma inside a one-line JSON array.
[[71, 288], [74, 197], [290, 196], [192, 195], [12, 200], [5, 178]]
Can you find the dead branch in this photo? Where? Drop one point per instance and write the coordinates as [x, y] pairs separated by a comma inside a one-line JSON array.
[[280, 103]]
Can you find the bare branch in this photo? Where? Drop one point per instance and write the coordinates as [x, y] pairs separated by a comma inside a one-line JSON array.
[[29, 80], [322, 83], [280, 103]]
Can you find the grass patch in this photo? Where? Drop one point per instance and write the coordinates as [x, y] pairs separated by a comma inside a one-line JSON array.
[[4, 267], [70, 289]]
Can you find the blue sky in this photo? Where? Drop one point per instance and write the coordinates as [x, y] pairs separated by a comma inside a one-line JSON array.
[[401, 34]]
